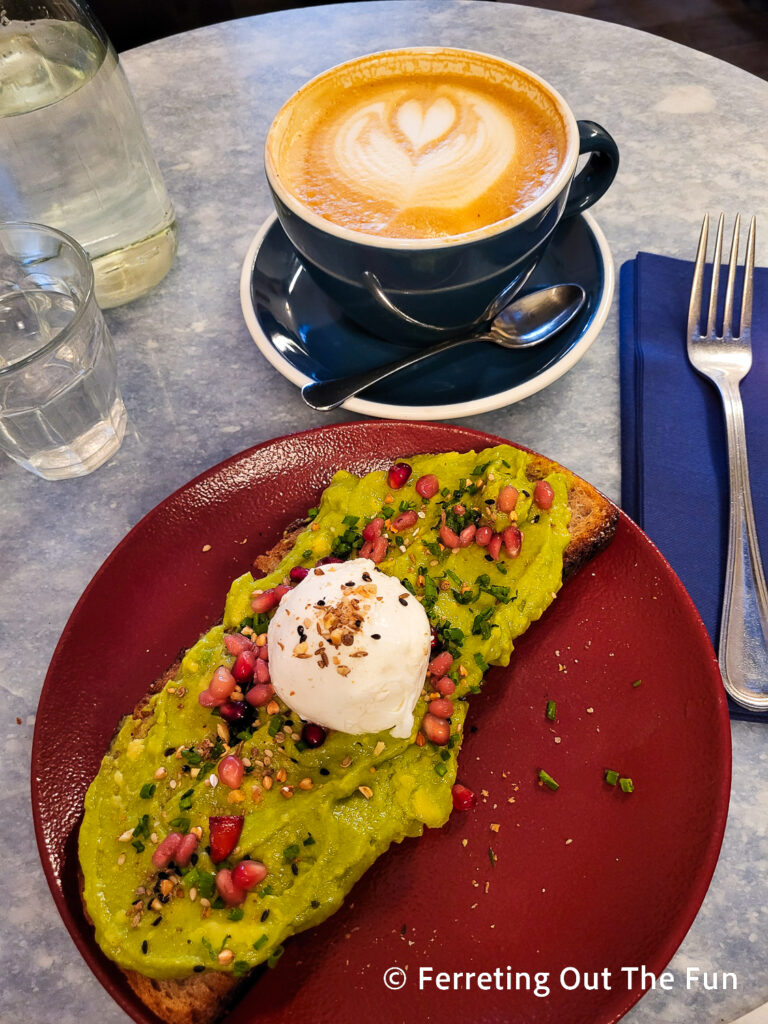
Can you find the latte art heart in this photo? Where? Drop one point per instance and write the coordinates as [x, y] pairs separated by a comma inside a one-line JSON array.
[[418, 144], [444, 156], [423, 127]]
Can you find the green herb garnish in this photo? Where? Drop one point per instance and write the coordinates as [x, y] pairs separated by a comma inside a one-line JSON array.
[[147, 790], [547, 779], [611, 777], [236, 914], [627, 785], [551, 710]]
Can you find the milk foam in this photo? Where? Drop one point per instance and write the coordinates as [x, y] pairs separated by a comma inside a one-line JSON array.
[[418, 143], [408, 151]]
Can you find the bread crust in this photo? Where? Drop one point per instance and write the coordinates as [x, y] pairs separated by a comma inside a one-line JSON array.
[[205, 997]]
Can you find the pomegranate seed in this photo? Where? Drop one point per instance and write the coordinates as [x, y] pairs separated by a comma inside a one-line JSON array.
[[298, 573], [187, 847], [207, 700], [427, 486], [543, 494], [398, 475], [227, 889], [433, 638], [222, 684], [330, 560], [366, 549], [236, 643], [459, 510], [281, 591], [242, 670], [494, 546], [224, 831], [313, 735], [436, 730], [379, 552], [463, 798], [507, 499], [165, 852], [449, 537], [231, 771], [404, 521], [445, 686], [248, 874], [260, 694], [441, 708], [513, 539], [265, 602], [467, 535], [261, 672], [263, 652], [373, 529], [483, 536], [440, 664], [234, 711]]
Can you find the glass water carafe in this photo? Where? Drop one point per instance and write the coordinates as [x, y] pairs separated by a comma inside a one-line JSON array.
[[73, 150]]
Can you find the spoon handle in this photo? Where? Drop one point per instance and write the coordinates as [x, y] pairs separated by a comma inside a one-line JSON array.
[[330, 394]]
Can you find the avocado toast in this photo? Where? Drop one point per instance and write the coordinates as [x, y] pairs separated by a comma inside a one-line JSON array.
[[323, 816]]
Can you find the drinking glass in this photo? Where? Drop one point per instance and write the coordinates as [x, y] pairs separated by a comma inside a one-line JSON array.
[[61, 412], [73, 150]]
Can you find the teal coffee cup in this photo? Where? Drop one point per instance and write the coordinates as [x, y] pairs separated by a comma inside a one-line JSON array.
[[420, 187]]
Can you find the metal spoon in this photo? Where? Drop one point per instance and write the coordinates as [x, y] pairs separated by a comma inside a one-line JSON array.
[[527, 321]]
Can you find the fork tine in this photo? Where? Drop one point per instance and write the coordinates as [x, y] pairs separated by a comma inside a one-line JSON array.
[[716, 262], [728, 311], [694, 308], [749, 271]]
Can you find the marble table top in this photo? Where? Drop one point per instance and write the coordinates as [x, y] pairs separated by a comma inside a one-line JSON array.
[[692, 134]]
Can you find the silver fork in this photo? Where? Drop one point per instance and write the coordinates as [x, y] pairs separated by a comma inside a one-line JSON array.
[[726, 360]]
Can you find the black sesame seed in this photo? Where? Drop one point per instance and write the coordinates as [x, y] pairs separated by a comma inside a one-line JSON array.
[[489, 558], [156, 922], [144, 946], [367, 577], [198, 968], [193, 859], [489, 501], [315, 904], [375, 636], [324, 771], [264, 915], [169, 751], [535, 519], [473, 728], [321, 603], [349, 583], [295, 868], [358, 623]]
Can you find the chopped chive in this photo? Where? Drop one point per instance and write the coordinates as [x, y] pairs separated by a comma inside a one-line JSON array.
[[492, 857], [637, 682], [547, 779], [551, 710], [240, 968], [260, 942], [627, 785], [480, 661], [309, 841], [277, 952], [236, 914], [139, 846], [186, 801], [444, 755], [180, 824], [291, 852], [441, 768], [147, 790], [275, 725], [611, 777]]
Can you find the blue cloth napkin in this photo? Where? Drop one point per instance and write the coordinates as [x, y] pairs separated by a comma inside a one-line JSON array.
[[673, 450]]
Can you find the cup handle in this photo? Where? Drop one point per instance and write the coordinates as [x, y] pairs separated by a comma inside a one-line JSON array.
[[594, 178]]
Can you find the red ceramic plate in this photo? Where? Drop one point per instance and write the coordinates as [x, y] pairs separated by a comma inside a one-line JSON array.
[[586, 879]]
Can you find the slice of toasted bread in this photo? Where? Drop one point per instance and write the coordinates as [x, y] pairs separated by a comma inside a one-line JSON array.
[[205, 997]]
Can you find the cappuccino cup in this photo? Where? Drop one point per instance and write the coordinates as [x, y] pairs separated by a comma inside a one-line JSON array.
[[421, 186]]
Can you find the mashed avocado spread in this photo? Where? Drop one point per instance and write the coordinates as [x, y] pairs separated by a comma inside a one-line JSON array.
[[328, 812]]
